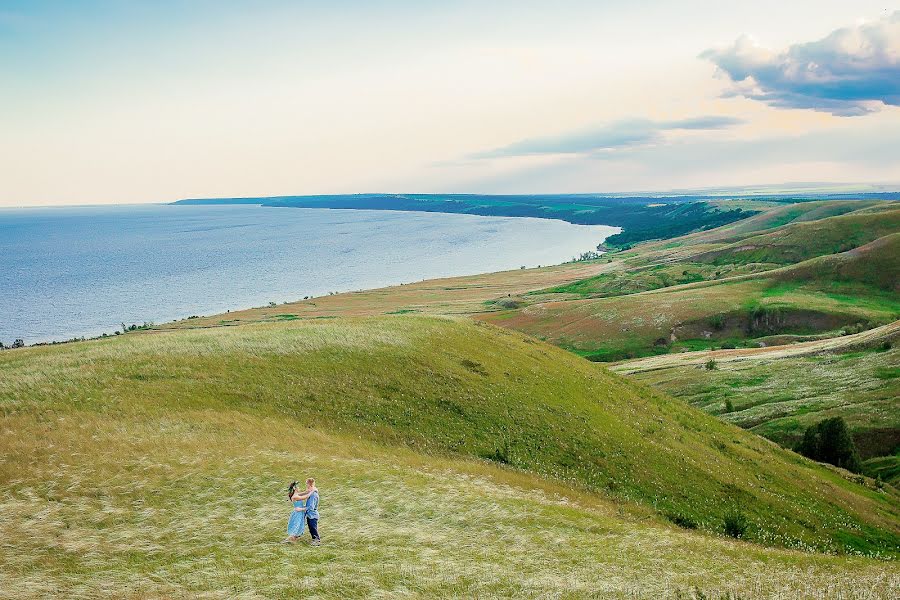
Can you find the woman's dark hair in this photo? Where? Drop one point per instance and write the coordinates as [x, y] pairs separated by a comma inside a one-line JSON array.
[[291, 489]]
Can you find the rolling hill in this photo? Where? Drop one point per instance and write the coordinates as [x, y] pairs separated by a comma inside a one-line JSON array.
[[153, 463], [812, 272], [804, 240], [658, 299], [854, 377], [645, 310]]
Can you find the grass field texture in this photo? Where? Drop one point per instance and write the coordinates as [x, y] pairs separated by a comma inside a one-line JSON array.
[[455, 459]]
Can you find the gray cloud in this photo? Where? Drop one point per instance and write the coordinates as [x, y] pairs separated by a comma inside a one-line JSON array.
[[852, 71], [619, 134]]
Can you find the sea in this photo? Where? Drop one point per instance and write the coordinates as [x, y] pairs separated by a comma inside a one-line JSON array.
[[69, 272]]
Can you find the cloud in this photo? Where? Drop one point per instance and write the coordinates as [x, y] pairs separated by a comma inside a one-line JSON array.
[[619, 134], [852, 71]]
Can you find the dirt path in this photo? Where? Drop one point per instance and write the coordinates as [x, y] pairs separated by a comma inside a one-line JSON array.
[[838, 344]]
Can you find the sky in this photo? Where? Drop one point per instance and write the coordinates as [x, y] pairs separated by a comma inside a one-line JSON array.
[[128, 101]]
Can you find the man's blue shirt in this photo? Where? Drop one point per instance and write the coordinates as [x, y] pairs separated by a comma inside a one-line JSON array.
[[312, 506]]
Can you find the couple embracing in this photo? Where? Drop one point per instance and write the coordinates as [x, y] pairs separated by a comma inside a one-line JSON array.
[[305, 513]]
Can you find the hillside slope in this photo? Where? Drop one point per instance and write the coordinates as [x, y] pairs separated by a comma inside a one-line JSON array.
[[807, 239], [189, 503], [818, 295], [446, 387], [788, 214], [855, 377]]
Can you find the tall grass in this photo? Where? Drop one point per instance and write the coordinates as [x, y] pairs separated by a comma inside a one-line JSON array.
[[191, 504], [459, 388]]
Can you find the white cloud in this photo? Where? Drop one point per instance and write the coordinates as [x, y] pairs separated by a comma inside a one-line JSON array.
[[852, 71]]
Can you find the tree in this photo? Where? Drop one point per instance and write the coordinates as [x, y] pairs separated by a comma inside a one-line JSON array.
[[809, 445], [19, 343], [830, 441]]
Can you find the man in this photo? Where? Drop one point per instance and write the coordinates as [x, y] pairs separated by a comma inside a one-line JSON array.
[[312, 510]]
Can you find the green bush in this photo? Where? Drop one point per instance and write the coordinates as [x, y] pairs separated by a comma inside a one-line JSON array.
[[736, 524], [717, 322], [711, 365]]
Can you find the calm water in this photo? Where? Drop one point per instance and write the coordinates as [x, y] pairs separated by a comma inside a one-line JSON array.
[[67, 272]]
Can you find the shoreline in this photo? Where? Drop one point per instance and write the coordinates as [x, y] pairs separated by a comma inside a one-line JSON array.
[[237, 308]]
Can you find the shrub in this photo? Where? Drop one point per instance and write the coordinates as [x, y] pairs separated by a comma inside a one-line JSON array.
[[729, 405], [589, 255], [830, 441], [736, 524], [717, 322], [711, 365], [508, 303]]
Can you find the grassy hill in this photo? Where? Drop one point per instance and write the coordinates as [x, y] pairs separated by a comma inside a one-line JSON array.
[[803, 240], [658, 299], [787, 214], [136, 450], [738, 249], [701, 316], [873, 265], [795, 273], [854, 377], [683, 304]]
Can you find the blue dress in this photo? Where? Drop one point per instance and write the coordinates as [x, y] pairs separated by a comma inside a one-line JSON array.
[[298, 520]]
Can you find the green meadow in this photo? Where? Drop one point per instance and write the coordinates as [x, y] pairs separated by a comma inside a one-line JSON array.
[[454, 459]]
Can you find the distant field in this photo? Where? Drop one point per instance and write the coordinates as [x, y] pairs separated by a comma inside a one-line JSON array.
[[778, 392], [664, 297], [697, 317]]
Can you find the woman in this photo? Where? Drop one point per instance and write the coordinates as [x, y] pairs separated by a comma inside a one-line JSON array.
[[297, 521]]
